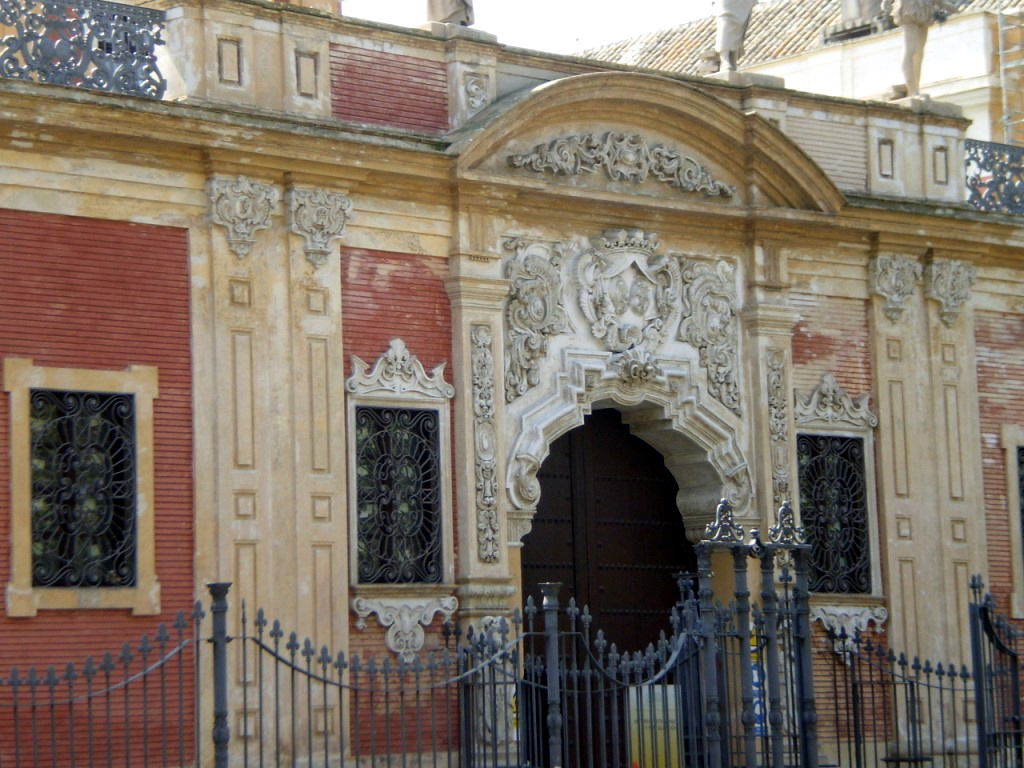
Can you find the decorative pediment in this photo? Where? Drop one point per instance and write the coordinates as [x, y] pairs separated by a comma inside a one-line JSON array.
[[830, 405], [622, 157], [626, 135], [398, 371]]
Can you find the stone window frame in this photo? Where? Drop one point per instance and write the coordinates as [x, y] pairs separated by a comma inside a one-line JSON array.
[[830, 411], [20, 376], [398, 380], [1012, 441]]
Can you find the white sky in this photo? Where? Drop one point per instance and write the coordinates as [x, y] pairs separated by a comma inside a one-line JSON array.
[[557, 26]]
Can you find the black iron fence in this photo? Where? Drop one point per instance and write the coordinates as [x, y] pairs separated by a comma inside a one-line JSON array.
[[728, 685], [93, 44], [995, 176], [133, 707]]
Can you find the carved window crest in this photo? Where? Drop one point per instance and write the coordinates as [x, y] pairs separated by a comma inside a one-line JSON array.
[[623, 157], [710, 324], [830, 405], [534, 311], [400, 372]]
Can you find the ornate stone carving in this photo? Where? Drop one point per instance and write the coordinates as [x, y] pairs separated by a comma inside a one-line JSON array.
[[830, 404], [534, 310], [475, 84], [405, 619], [687, 429], [398, 371], [850, 620], [485, 440], [893, 278], [711, 325], [622, 157], [242, 206], [630, 296], [319, 216], [949, 283], [778, 425]]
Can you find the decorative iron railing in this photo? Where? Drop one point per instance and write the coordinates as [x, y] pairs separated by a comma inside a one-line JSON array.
[[91, 44], [995, 176]]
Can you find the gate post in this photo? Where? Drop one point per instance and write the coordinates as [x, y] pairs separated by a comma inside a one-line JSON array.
[[740, 553], [808, 711], [709, 654], [770, 612], [550, 590], [221, 728]]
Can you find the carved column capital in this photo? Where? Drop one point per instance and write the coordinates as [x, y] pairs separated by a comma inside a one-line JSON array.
[[319, 216], [894, 278], [949, 282], [242, 206]]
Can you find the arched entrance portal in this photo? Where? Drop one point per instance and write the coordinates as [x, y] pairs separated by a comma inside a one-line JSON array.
[[607, 527]]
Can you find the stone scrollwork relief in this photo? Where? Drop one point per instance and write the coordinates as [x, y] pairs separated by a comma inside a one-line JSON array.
[[475, 85], [485, 442], [949, 282], [630, 296], [405, 618], [534, 311], [894, 279], [242, 206], [319, 216], [830, 404], [849, 620], [398, 371], [623, 157], [711, 325], [778, 426]]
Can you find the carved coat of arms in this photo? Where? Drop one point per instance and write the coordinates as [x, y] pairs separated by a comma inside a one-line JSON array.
[[630, 296]]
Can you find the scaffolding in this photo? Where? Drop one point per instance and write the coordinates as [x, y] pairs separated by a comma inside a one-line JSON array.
[[1011, 70]]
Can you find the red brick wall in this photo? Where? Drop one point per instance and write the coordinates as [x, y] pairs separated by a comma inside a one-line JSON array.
[[999, 340], [383, 88], [388, 295], [831, 337], [88, 293]]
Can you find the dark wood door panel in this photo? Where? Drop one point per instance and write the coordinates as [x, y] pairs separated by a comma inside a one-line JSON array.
[[608, 528]]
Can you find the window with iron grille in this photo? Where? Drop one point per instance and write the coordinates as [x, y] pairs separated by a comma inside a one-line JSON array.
[[83, 505], [398, 495], [834, 512]]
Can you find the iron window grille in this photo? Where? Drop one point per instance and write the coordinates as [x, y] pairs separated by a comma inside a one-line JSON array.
[[83, 460], [834, 511], [398, 495]]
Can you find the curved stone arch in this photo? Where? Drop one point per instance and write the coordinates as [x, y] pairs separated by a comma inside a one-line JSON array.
[[700, 448]]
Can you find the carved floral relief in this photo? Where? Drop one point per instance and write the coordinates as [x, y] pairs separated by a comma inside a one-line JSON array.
[[830, 404], [623, 157], [485, 440], [534, 311], [710, 324]]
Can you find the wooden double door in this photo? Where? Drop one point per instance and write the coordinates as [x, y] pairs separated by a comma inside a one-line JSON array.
[[608, 528]]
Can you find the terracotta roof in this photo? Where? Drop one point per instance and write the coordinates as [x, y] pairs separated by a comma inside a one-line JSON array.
[[777, 28]]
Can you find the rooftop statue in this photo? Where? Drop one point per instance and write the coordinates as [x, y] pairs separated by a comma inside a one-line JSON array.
[[732, 18], [861, 10], [451, 11], [915, 16]]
